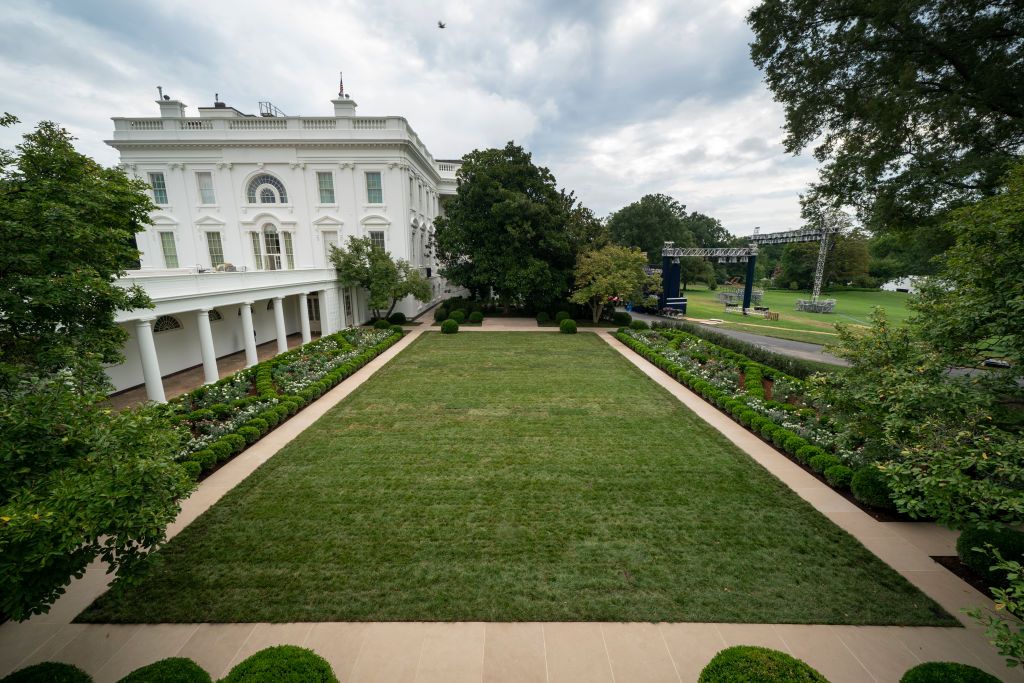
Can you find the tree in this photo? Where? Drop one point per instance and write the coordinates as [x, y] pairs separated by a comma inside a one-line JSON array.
[[387, 281], [706, 231], [610, 272], [918, 107], [649, 223], [76, 481], [509, 230]]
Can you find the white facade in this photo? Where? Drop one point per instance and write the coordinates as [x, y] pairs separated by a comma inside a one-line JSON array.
[[248, 207]]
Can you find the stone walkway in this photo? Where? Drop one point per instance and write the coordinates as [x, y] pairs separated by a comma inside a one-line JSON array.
[[530, 651]]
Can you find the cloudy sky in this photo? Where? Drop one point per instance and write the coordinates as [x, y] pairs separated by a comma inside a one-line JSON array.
[[619, 99]]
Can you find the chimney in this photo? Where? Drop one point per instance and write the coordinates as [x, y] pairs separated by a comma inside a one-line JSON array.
[[171, 109], [344, 107]]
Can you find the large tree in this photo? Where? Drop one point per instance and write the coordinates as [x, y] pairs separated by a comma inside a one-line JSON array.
[[608, 273], [915, 107], [650, 222], [509, 230], [76, 481], [362, 264]]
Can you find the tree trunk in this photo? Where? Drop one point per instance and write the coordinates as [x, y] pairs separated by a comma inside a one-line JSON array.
[[597, 308]]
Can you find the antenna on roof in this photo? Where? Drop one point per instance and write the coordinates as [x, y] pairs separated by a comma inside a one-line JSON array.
[[216, 97], [160, 92]]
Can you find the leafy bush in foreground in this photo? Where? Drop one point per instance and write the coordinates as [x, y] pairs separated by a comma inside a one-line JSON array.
[[749, 664], [282, 664], [567, 326], [870, 487], [1008, 542], [946, 672], [449, 326], [170, 670], [48, 672]]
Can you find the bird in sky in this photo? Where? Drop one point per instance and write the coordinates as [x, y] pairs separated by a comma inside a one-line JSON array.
[[441, 24]]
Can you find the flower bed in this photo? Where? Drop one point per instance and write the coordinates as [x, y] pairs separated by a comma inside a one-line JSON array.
[[221, 420], [765, 400]]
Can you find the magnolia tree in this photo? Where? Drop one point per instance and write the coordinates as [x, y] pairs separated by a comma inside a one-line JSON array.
[[364, 265], [608, 273]]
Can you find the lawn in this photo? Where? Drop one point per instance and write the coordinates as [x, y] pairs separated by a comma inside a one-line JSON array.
[[514, 477], [818, 328]]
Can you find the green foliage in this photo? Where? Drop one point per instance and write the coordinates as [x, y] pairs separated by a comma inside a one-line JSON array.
[[543, 317], [449, 326], [900, 97], [839, 477], [476, 317], [381, 324], [397, 318], [610, 272], [440, 313], [655, 219], [1006, 634], [749, 664], [847, 261], [458, 316], [947, 672], [567, 326], [622, 319], [170, 670], [282, 664], [974, 549], [871, 487], [396, 329], [562, 315], [48, 672], [509, 230], [361, 264], [639, 325], [193, 468], [820, 463]]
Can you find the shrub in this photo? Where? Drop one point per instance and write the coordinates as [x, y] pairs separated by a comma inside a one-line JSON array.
[[271, 416], [476, 317], [220, 410], [449, 326], [746, 663], [440, 314], [250, 434], [222, 449], [381, 324], [458, 316], [542, 317], [260, 424], [49, 672], [839, 476], [794, 443], [1009, 543], [282, 664], [236, 441], [946, 672], [562, 315], [170, 670], [396, 329], [639, 325], [805, 453], [747, 417], [193, 468], [870, 487], [567, 326], [397, 318], [206, 458], [622, 319], [823, 461]]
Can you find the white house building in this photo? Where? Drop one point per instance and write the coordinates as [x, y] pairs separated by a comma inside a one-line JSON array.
[[247, 209]]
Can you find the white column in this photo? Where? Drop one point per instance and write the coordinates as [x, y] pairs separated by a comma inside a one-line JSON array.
[[304, 317], [210, 374], [150, 363], [282, 335], [249, 335]]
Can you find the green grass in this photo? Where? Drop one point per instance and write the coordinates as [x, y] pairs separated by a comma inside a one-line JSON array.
[[514, 477], [817, 328]]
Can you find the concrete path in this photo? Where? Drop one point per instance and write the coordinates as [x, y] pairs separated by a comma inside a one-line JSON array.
[[530, 651]]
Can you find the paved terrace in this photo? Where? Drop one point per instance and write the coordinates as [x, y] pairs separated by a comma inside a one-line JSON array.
[[450, 652]]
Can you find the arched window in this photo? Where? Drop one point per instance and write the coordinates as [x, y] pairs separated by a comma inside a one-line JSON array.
[[165, 323], [266, 189], [215, 315]]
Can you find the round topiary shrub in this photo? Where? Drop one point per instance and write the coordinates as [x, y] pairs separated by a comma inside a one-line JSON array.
[[822, 462], [639, 325], [381, 324], [805, 453], [562, 315], [449, 326], [567, 326], [170, 670], [946, 672], [458, 316], [870, 487], [282, 664], [749, 664], [1009, 543], [206, 458], [839, 476], [542, 317], [192, 468], [250, 434], [397, 318], [476, 317], [395, 329], [622, 319], [48, 672], [440, 314]]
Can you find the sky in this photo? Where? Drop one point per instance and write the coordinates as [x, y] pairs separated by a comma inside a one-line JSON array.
[[619, 99]]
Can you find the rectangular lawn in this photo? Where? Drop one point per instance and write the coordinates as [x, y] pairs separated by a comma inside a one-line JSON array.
[[514, 477]]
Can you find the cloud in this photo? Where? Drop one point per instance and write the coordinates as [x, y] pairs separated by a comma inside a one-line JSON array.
[[618, 99]]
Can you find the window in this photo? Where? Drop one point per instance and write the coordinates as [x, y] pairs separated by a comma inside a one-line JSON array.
[[272, 242], [170, 249], [289, 253], [377, 239], [269, 189], [156, 181], [166, 323], [330, 240], [215, 315], [325, 183], [257, 251], [216, 249], [374, 192], [313, 308], [204, 181], [348, 307]]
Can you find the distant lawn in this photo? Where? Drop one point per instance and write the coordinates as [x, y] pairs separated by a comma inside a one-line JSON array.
[[818, 328], [514, 477]]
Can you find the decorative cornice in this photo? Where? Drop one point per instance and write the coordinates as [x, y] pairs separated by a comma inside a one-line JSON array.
[[225, 164], [297, 164]]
